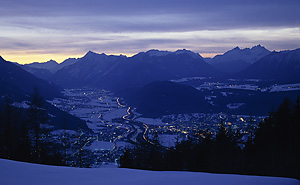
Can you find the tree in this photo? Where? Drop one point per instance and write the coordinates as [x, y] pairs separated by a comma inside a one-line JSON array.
[[37, 116], [8, 121], [277, 142]]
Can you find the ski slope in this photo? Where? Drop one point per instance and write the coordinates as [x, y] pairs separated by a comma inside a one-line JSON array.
[[18, 173]]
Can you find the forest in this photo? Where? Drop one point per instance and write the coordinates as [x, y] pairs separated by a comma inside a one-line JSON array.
[[24, 132], [271, 150]]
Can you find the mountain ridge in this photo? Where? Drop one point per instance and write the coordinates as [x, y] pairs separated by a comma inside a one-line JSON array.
[[236, 59], [119, 72], [283, 65], [19, 85], [15, 80]]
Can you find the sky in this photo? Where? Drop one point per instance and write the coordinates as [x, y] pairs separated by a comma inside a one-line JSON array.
[[38, 30]]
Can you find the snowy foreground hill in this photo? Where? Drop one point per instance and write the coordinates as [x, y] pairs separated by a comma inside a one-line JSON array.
[[18, 173]]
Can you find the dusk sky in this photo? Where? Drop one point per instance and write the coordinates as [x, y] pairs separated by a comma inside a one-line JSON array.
[[38, 30]]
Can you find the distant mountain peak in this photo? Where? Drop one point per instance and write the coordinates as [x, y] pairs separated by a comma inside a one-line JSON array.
[[236, 59], [90, 53], [188, 52], [283, 65], [156, 52], [51, 64], [236, 48], [52, 61], [258, 47]]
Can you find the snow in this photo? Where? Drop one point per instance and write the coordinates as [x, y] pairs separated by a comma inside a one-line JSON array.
[[118, 113], [62, 132], [286, 87], [188, 79], [167, 140], [101, 145], [23, 104], [250, 87], [248, 55], [120, 144], [19, 173], [184, 51], [158, 53], [151, 121], [234, 105], [51, 115], [96, 107]]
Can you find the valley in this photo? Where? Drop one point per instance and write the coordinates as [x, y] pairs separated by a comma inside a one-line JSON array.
[[150, 107], [114, 125]]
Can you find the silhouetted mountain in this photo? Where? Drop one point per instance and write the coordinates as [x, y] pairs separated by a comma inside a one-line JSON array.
[[165, 97], [47, 69], [89, 71], [119, 72], [51, 65], [18, 82], [237, 59], [44, 74], [284, 65]]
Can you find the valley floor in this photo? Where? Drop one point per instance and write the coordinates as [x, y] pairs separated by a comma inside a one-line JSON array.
[[19, 173]]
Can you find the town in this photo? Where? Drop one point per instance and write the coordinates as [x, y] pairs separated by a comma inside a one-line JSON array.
[[115, 126]]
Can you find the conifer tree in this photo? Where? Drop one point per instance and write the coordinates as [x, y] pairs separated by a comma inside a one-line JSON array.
[[37, 116]]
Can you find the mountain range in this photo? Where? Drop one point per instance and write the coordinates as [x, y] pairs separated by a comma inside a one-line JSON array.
[[280, 66], [120, 72], [132, 75], [46, 69], [237, 59], [17, 82]]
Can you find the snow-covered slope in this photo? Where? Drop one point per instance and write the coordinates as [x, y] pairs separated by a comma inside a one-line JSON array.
[[237, 59], [18, 173], [284, 65]]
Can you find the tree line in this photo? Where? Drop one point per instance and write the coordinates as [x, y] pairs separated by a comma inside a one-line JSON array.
[[273, 149]]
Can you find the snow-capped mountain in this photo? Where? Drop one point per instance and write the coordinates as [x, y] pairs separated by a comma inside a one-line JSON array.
[[237, 59], [158, 53], [155, 52], [284, 65], [118, 72], [88, 71]]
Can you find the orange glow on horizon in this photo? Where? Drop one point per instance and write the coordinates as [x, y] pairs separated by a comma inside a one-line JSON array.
[[210, 55], [23, 58], [26, 58]]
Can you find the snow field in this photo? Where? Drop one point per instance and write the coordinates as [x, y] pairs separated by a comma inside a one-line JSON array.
[[19, 173]]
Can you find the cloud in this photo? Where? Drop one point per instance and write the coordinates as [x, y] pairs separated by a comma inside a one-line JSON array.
[[119, 26], [157, 14]]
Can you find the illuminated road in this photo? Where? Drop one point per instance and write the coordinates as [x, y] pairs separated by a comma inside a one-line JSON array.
[[140, 128], [118, 101]]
